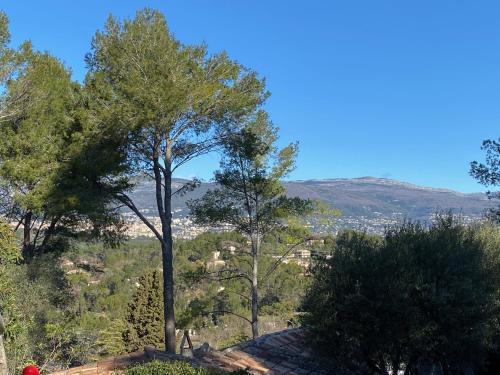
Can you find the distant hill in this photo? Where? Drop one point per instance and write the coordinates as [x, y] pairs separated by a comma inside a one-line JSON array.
[[369, 196], [366, 202]]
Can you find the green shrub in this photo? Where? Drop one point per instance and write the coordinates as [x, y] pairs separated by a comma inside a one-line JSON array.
[[173, 368], [421, 292]]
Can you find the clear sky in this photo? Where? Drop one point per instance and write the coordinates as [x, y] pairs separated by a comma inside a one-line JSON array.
[[398, 89]]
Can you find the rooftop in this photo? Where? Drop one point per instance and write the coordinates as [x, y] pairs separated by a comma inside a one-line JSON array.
[[283, 352]]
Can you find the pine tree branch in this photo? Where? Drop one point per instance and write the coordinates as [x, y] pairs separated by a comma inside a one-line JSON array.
[[128, 202], [229, 312], [280, 260]]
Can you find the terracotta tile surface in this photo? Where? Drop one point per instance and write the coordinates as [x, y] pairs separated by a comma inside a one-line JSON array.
[[284, 352], [107, 366]]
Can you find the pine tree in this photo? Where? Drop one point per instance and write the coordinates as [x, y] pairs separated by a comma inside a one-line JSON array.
[[156, 105], [144, 318], [41, 181], [251, 197]]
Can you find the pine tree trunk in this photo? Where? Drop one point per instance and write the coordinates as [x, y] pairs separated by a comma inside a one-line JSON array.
[[255, 299], [48, 235], [165, 211], [168, 288], [27, 235], [4, 370]]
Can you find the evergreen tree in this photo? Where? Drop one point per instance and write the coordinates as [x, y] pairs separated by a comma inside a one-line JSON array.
[[111, 339], [44, 191], [157, 104], [250, 195], [32, 141], [418, 294], [144, 320]]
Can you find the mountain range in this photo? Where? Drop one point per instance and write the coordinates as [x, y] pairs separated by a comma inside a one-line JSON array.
[[370, 196], [365, 202]]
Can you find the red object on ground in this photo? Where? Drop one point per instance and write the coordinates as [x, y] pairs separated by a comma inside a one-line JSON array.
[[31, 370]]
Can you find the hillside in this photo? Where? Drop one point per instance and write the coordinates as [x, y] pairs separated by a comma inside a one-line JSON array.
[[372, 197], [366, 203]]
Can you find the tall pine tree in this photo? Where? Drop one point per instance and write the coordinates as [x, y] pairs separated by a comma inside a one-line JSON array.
[[159, 104]]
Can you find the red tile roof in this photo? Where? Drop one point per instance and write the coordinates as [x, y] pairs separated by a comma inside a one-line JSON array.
[[284, 352], [107, 366]]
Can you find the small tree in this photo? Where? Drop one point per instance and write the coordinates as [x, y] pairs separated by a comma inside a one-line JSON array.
[[488, 174], [111, 340], [144, 320], [250, 196]]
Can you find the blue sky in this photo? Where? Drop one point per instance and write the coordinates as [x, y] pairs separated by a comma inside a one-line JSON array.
[[399, 89]]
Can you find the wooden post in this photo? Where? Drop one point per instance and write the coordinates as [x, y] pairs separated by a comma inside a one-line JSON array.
[[4, 370], [190, 344], [185, 337]]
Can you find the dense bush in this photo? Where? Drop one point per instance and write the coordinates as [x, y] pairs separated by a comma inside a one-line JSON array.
[[173, 368], [419, 293]]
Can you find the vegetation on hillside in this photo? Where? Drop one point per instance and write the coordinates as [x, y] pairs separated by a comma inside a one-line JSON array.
[[80, 303]]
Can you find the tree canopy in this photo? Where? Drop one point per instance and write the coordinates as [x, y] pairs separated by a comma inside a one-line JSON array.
[[37, 145]]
